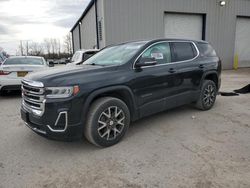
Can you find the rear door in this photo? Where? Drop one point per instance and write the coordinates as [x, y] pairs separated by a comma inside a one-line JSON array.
[[189, 71]]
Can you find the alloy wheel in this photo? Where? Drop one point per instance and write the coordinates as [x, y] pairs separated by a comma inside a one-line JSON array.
[[111, 123], [209, 95]]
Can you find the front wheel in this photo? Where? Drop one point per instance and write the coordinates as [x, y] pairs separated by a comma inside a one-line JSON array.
[[207, 96], [107, 122]]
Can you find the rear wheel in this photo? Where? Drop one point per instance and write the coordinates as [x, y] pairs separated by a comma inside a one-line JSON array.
[[207, 96], [107, 122]]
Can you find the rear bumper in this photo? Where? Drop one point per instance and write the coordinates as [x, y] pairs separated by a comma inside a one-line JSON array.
[[10, 83]]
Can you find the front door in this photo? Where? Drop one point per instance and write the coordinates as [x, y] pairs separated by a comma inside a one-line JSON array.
[[154, 83]]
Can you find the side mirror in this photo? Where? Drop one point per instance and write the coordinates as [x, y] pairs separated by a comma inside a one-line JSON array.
[[51, 64], [145, 62]]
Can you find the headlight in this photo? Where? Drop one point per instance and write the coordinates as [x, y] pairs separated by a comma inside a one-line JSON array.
[[61, 92]]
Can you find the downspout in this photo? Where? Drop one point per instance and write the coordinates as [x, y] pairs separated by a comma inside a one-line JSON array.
[[96, 21], [73, 44], [80, 40]]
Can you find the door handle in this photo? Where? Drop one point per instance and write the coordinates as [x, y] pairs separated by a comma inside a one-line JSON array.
[[201, 66], [171, 70]]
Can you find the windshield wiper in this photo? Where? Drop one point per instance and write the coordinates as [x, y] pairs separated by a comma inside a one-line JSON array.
[[93, 64]]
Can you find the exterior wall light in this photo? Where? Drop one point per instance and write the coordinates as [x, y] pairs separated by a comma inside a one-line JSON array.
[[222, 3], [80, 23]]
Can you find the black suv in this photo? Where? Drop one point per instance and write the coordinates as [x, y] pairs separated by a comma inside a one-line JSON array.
[[120, 84]]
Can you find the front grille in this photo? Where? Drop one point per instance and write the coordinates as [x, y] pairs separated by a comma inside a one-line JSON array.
[[33, 94]]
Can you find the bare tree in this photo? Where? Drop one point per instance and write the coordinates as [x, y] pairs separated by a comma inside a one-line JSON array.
[[53, 44], [35, 49], [58, 47], [68, 43], [47, 45]]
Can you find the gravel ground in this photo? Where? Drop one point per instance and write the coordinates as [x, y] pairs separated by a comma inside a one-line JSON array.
[[180, 148]]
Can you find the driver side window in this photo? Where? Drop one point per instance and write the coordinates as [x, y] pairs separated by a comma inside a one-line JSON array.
[[161, 52]]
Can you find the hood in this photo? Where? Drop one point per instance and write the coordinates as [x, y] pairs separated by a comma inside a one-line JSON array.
[[57, 75]]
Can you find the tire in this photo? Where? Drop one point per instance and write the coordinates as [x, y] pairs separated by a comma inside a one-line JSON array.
[[107, 122], [3, 93], [207, 96]]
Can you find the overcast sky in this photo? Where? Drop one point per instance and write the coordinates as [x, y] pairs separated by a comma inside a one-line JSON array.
[[36, 19]]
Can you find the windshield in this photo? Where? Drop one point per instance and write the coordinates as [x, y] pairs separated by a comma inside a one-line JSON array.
[[24, 61], [115, 55], [76, 57], [2, 56]]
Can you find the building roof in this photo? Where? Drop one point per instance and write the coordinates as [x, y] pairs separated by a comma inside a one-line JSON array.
[[91, 3]]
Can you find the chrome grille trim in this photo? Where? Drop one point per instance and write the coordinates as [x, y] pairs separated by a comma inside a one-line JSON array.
[[33, 83], [33, 94], [41, 90]]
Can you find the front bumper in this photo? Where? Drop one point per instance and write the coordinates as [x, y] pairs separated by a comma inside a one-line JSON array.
[[60, 119], [64, 131]]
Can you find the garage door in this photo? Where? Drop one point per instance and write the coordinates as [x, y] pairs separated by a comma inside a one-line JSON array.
[[242, 41], [187, 26]]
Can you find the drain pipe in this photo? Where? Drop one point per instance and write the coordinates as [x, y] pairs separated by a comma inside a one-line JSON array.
[[80, 38], [96, 20]]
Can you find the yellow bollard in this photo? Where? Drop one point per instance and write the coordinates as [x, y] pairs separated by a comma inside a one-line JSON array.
[[236, 62]]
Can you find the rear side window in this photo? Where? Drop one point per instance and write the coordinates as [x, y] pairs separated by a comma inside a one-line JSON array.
[[206, 50], [183, 51]]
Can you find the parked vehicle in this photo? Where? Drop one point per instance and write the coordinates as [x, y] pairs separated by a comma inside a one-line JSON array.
[[3, 56], [62, 61], [14, 69], [120, 84], [82, 55]]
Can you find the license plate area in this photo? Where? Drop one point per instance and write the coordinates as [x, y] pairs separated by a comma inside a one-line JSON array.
[[22, 73]]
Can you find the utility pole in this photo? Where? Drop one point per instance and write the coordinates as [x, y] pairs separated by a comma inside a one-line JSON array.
[[27, 47], [21, 47]]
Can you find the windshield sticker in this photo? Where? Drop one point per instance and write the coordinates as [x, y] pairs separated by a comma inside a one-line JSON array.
[[157, 55]]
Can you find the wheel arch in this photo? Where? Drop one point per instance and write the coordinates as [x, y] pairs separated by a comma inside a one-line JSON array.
[[213, 76], [123, 93]]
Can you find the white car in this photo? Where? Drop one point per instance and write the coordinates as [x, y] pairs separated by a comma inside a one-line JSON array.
[[82, 55], [14, 69]]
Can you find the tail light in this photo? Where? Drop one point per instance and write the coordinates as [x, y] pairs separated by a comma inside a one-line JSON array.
[[2, 73]]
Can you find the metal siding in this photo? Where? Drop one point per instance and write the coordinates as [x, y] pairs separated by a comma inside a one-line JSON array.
[[88, 30], [76, 39], [127, 20]]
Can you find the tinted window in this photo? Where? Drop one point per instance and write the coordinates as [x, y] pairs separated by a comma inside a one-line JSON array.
[[87, 55], [161, 53], [24, 61], [206, 50], [183, 51]]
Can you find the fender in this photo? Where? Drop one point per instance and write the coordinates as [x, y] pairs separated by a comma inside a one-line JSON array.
[[208, 73], [92, 95]]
